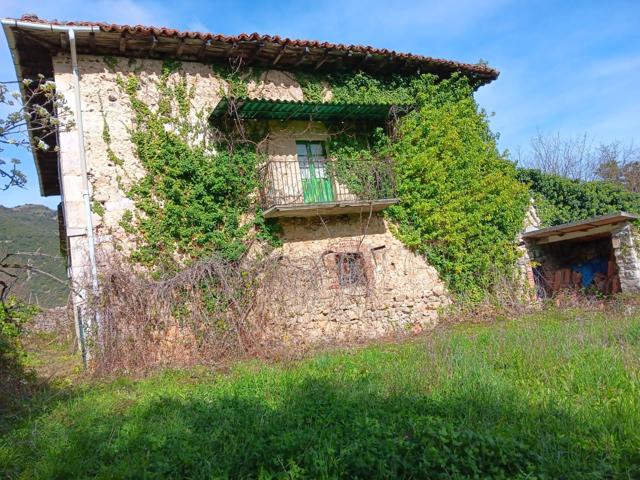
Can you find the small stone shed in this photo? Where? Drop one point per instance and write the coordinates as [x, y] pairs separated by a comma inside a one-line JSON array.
[[599, 253]]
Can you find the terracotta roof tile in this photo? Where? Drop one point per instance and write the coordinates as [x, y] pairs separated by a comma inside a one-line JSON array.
[[482, 70]]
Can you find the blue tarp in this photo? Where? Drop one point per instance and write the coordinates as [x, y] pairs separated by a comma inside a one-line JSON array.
[[590, 268]]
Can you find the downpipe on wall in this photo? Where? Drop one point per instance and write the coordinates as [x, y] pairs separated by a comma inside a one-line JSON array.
[[85, 192], [91, 249]]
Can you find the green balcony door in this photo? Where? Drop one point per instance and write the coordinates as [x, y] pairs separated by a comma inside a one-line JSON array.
[[316, 184]]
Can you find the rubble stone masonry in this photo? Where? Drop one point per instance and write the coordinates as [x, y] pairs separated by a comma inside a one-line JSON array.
[[400, 292]]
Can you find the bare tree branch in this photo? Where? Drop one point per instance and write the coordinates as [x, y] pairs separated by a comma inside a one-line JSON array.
[[34, 117]]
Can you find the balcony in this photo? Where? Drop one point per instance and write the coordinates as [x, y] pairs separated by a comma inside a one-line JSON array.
[[309, 186]]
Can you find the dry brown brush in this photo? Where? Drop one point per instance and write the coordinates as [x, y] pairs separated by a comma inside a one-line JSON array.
[[202, 314]]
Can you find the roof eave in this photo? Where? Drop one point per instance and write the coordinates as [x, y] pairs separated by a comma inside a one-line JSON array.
[[255, 49]]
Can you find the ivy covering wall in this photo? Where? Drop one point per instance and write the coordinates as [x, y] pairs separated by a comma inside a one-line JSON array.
[[562, 200], [195, 197], [461, 203]]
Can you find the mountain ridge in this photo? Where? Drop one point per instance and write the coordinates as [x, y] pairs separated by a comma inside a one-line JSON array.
[[33, 228]]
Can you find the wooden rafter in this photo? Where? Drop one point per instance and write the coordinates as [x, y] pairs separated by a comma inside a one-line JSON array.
[[180, 48], [203, 49], [302, 58], [230, 50], [64, 40], [321, 62], [279, 55], [364, 60], [92, 42], [39, 41], [152, 47], [123, 42], [255, 53]]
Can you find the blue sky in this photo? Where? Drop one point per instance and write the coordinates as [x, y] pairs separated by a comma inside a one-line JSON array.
[[566, 66]]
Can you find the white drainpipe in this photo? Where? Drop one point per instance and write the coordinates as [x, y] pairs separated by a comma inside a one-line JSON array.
[[85, 182], [71, 31]]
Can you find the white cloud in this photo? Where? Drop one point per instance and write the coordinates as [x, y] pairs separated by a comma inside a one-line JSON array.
[[198, 26], [625, 65]]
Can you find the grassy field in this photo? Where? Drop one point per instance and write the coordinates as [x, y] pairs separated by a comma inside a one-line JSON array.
[[554, 395]]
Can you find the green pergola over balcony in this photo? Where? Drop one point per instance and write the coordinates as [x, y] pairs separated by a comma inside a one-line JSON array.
[[311, 184], [250, 109]]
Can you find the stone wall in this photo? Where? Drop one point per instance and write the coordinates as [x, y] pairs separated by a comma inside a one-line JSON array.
[[402, 291], [399, 292], [106, 108], [528, 253], [626, 246]]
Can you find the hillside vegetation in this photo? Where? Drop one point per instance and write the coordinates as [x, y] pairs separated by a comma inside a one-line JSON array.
[[553, 395], [34, 228]]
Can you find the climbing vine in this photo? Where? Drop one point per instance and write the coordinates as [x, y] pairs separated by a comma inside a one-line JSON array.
[[562, 200], [195, 197], [461, 203]]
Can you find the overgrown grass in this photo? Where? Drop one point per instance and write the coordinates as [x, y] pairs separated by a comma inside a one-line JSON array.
[[554, 395]]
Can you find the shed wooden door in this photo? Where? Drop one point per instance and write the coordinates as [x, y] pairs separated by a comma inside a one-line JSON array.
[[316, 183]]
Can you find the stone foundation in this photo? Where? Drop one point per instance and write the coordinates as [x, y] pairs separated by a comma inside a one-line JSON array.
[[397, 291]]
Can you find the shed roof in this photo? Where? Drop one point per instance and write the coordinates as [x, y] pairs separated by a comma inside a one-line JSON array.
[[593, 227]]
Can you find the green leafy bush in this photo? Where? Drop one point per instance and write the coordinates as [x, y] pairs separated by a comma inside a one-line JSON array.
[[562, 200], [13, 315], [14, 376], [461, 203]]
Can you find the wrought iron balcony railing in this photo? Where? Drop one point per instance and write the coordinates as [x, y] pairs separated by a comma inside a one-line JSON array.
[[310, 186]]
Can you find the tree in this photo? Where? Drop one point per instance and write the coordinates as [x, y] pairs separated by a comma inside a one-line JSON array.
[[571, 157], [620, 164], [579, 158], [35, 115], [29, 123]]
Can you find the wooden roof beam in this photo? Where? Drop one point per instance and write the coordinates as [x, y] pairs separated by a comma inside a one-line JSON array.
[[180, 48], [364, 60], [279, 55], [302, 58], [152, 47], [203, 49], [92, 42], [123, 42], [383, 63], [255, 53], [64, 40], [322, 61], [43, 43], [560, 237]]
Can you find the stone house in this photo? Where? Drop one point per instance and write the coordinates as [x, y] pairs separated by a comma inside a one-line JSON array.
[[321, 218]]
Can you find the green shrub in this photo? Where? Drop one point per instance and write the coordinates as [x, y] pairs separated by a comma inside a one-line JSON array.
[[15, 378], [461, 204], [562, 200], [13, 315]]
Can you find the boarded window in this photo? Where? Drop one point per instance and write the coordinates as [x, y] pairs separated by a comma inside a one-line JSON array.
[[350, 267]]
